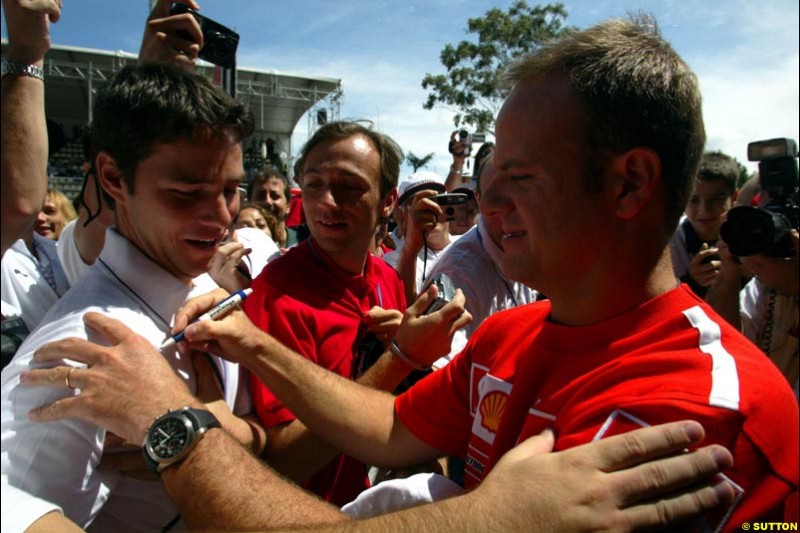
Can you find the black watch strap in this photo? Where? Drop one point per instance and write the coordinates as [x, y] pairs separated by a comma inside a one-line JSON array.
[[201, 420]]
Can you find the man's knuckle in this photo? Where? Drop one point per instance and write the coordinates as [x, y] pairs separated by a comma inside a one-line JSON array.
[[664, 512], [656, 477], [635, 447]]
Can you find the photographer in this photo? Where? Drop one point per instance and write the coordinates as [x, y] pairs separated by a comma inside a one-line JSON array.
[[426, 236], [766, 310], [763, 242]]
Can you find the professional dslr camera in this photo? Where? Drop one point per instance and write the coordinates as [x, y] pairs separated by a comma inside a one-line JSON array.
[[750, 230], [466, 143], [219, 42]]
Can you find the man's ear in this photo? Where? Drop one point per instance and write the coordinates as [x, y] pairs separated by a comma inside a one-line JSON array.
[[636, 176], [111, 179], [388, 203]]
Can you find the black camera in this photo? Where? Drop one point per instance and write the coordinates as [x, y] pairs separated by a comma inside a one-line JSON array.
[[751, 230], [14, 332], [219, 42], [454, 207], [466, 142], [446, 293]]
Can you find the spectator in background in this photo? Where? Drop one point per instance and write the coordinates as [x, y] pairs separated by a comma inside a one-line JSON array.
[[56, 213], [460, 226], [82, 239], [456, 177], [695, 257], [426, 236], [271, 189], [254, 215], [766, 309]]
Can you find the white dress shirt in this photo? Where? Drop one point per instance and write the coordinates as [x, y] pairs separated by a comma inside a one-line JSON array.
[[68, 254], [472, 264], [58, 461], [20, 509], [425, 263]]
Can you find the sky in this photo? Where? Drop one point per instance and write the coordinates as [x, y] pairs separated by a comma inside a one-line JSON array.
[[745, 54]]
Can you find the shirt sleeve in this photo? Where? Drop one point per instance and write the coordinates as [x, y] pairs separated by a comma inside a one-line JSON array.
[[437, 410], [20, 509], [56, 461]]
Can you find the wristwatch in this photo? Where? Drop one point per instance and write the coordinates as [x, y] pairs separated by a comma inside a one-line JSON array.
[[174, 434], [21, 69]]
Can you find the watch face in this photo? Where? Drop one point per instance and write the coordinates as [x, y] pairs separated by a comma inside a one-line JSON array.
[[168, 438]]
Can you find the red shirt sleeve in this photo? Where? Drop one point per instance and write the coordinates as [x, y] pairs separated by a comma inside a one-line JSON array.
[[437, 409]]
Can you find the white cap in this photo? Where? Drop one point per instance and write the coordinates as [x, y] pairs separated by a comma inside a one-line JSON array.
[[419, 181]]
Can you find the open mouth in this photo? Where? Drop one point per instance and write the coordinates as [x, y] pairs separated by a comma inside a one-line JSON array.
[[329, 224], [202, 244], [513, 234]]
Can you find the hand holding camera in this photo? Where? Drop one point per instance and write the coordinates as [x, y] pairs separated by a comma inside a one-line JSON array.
[[454, 207], [460, 144], [171, 36], [751, 230], [218, 44], [705, 266]]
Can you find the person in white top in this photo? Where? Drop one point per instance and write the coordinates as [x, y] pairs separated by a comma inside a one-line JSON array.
[[426, 238], [174, 193], [32, 279]]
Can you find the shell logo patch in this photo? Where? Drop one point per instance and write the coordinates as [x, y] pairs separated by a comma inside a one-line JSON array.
[[492, 408]]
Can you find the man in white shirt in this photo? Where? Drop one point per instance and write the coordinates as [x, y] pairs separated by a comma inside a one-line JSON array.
[[32, 278], [170, 165], [426, 238]]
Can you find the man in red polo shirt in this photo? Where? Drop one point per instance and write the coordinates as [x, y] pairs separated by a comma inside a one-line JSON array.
[[329, 299]]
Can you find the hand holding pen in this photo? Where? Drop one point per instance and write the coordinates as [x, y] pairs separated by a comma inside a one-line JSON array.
[[218, 311]]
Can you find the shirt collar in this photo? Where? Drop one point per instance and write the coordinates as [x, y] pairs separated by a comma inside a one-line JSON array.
[[494, 251], [159, 289]]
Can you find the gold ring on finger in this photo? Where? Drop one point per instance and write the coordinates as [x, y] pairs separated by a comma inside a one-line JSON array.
[[66, 379]]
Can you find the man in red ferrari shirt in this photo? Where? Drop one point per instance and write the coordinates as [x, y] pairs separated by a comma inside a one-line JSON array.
[[597, 145]]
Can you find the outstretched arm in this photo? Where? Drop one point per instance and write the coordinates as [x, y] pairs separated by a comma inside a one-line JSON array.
[[23, 143], [639, 479]]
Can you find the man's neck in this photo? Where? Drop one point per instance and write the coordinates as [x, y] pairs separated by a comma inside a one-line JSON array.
[[600, 298], [438, 239]]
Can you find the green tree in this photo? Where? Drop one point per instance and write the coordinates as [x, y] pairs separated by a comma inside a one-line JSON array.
[[418, 162], [472, 86]]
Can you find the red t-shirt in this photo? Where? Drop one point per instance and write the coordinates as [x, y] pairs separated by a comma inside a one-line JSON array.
[[671, 359], [311, 305], [296, 214]]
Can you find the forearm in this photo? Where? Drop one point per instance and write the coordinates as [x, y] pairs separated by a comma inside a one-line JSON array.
[[386, 374], [454, 179], [463, 513], [296, 453], [221, 486], [23, 145], [355, 419], [407, 267]]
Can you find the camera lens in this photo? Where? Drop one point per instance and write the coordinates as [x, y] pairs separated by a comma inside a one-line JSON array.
[[449, 211], [750, 230], [217, 46]]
